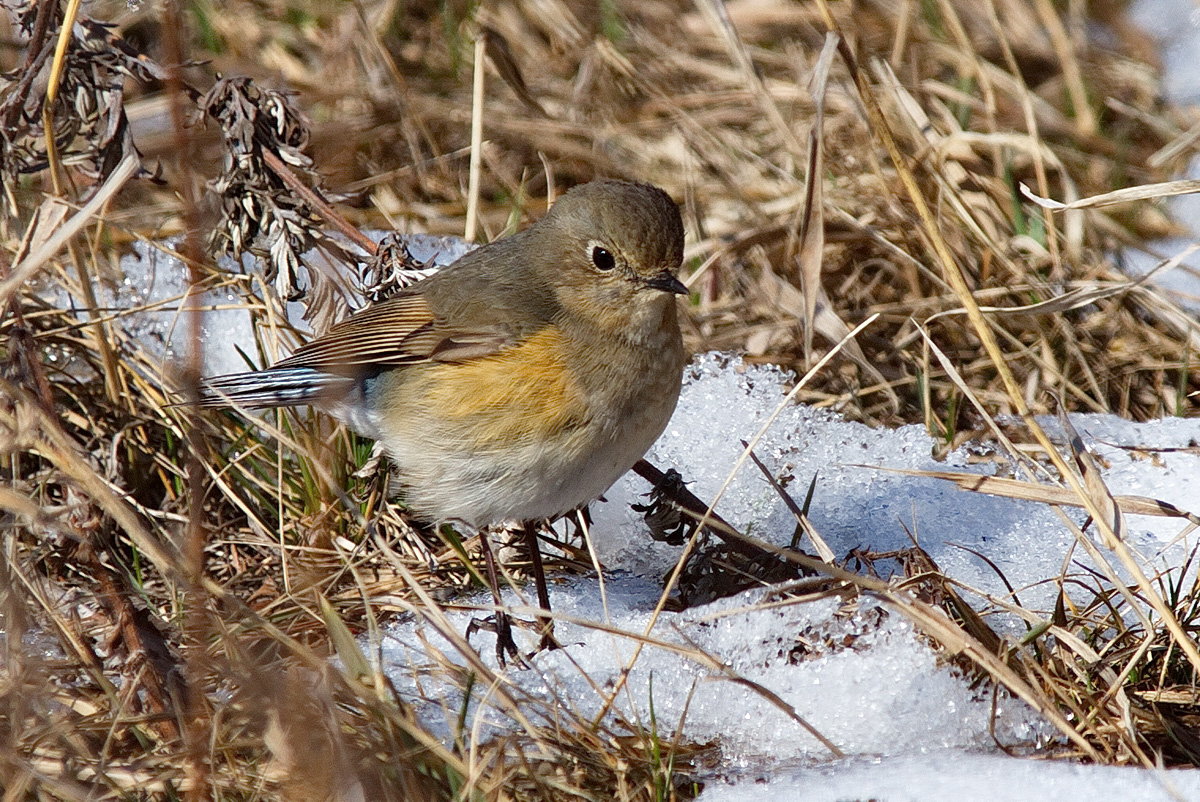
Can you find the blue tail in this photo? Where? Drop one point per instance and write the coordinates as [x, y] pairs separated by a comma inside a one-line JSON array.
[[273, 387]]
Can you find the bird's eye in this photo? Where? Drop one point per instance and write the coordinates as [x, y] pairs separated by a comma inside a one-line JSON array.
[[602, 258]]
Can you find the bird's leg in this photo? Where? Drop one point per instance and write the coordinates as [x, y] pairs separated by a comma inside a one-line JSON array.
[[545, 623], [505, 645]]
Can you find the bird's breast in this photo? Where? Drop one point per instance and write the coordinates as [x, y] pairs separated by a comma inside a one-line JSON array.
[[529, 432], [524, 393]]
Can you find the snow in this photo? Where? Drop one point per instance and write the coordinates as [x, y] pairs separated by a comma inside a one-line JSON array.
[[959, 777], [908, 724], [155, 281], [1175, 25]]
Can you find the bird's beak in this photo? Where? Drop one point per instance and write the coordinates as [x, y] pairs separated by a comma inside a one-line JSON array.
[[667, 282]]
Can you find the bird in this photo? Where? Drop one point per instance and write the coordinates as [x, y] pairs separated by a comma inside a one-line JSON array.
[[520, 382]]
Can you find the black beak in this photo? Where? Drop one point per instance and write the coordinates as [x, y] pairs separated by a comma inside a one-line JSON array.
[[667, 282]]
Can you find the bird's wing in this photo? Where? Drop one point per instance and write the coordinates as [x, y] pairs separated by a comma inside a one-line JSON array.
[[399, 330]]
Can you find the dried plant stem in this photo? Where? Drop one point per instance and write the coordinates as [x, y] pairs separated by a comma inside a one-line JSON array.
[[100, 334], [473, 177], [56, 71], [319, 204], [197, 722], [1084, 117]]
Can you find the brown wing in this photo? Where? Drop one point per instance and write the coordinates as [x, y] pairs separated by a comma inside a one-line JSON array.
[[399, 330]]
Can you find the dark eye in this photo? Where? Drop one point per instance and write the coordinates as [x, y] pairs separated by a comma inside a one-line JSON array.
[[602, 259]]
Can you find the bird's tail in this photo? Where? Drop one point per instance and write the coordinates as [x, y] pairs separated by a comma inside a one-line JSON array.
[[274, 387]]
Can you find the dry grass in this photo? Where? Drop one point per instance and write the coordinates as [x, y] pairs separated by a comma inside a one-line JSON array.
[[172, 582]]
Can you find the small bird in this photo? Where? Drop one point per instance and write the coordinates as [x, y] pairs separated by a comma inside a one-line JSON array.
[[520, 382]]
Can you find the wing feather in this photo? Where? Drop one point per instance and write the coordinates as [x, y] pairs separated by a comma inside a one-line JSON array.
[[399, 330]]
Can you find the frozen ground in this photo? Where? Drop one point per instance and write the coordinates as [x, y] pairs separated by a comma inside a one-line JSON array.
[[959, 777], [910, 726], [155, 283], [1176, 25]]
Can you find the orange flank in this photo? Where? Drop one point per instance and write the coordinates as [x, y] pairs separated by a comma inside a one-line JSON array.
[[521, 394]]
